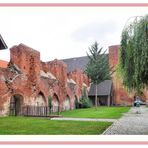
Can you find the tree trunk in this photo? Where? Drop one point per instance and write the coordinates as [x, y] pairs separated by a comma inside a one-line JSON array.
[[96, 97], [108, 101]]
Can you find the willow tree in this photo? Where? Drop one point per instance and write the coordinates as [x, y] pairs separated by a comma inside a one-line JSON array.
[[97, 68], [134, 54]]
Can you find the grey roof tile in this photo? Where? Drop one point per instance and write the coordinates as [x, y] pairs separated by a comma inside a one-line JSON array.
[[103, 89], [76, 63]]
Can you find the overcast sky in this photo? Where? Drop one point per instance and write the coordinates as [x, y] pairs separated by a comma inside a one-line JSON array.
[[63, 32]]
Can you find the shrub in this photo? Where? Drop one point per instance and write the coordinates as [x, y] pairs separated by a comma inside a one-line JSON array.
[[85, 103]]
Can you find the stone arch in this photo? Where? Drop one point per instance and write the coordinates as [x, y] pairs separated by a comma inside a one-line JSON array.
[[16, 105], [55, 103], [66, 104], [40, 99]]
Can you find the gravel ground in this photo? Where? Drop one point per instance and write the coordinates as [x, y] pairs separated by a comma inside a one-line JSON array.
[[135, 122]]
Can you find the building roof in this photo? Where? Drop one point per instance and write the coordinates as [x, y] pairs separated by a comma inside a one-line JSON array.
[[3, 64], [76, 63], [103, 89], [2, 43]]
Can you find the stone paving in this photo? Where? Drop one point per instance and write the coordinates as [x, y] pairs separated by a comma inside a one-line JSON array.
[[84, 119], [135, 122]]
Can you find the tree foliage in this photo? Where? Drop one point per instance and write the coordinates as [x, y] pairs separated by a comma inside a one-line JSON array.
[[134, 54], [97, 68]]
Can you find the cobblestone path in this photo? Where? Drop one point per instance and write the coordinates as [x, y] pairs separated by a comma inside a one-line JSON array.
[[135, 122]]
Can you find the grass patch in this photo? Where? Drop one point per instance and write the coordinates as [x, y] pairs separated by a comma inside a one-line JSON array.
[[100, 112], [38, 126]]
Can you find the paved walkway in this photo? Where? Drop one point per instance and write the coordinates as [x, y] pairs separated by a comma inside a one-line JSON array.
[[84, 119], [135, 122]]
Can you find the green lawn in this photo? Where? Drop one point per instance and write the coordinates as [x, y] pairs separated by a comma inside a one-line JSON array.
[[100, 112], [38, 126]]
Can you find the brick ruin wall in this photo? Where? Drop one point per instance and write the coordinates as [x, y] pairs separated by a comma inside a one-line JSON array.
[[35, 81], [121, 95], [23, 77]]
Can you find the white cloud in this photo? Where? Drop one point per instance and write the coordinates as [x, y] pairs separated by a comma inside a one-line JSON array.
[[63, 32]]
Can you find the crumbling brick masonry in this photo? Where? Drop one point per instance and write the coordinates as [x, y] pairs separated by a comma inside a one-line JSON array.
[[28, 81]]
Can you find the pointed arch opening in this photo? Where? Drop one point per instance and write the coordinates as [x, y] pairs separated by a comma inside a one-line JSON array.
[[16, 105], [66, 105], [55, 103], [40, 99]]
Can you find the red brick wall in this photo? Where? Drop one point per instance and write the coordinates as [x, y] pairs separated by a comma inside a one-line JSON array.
[[29, 83], [27, 59], [3, 64], [121, 95], [59, 70], [113, 55]]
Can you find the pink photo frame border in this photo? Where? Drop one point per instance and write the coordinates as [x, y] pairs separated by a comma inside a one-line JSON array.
[[73, 5]]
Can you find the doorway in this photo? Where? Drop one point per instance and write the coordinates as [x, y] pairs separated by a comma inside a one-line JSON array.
[[16, 104]]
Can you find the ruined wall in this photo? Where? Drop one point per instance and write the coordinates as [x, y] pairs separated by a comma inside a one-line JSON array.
[[67, 85], [4, 93], [81, 80], [59, 70], [22, 77], [113, 55], [28, 60], [121, 95], [32, 81], [3, 64], [62, 89]]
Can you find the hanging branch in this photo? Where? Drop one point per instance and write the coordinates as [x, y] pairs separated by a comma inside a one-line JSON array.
[[133, 61]]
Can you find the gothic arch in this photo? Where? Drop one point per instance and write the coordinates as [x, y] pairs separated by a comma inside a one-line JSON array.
[[16, 104], [55, 103], [40, 99], [66, 103]]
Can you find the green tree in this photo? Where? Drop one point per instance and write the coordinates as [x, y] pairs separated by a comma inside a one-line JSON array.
[[97, 68], [133, 60]]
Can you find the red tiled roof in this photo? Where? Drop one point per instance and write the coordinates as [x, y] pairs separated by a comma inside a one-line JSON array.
[[3, 64]]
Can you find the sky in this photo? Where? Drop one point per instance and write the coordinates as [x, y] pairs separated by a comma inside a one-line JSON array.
[[64, 32]]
